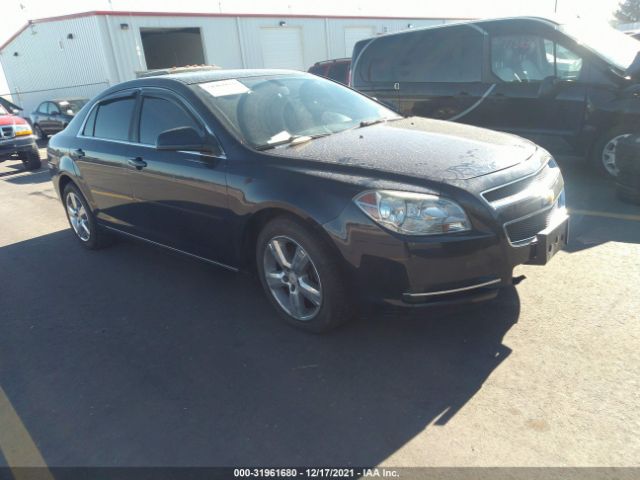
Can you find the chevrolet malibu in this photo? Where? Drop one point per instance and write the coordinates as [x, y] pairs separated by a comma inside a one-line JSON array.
[[329, 196]]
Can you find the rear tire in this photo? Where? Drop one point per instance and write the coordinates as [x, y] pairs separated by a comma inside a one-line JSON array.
[[82, 220], [305, 284], [31, 160], [603, 153]]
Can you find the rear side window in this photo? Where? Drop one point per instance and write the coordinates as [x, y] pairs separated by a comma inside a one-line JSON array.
[[452, 55], [113, 118], [158, 115]]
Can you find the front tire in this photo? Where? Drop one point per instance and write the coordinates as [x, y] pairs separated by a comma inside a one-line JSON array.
[[82, 221], [31, 160], [301, 276], [603, 154]]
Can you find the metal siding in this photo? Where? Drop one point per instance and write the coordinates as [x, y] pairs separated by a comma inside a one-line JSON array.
[[47, 59], [102, 51]]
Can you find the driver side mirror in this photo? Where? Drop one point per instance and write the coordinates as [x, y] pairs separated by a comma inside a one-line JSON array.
[[549, 87], [188, 139]]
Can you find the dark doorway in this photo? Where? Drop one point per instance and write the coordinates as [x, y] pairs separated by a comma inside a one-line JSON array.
[[172, 47]]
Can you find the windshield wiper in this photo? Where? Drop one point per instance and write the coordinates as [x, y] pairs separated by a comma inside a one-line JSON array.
[[368, 123], [291, 141]]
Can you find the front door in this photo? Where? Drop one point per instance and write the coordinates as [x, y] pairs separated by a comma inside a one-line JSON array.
[[539, 90], [181, 196]]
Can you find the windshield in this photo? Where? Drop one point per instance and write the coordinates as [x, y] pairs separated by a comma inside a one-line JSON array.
[[614, 46], [71, 107], [277, 109], [3, 111]]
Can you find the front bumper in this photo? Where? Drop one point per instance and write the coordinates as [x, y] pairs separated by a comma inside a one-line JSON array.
[[463, 267], [14, 145]]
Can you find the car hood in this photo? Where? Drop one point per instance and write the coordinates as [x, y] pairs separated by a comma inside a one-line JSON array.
[[418, 147]]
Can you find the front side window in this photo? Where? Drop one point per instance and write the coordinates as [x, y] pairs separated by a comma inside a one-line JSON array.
[[567, 64], [267, 110], [53, 108], [520, 58], [113, 119], [42, 108], [158, 115]]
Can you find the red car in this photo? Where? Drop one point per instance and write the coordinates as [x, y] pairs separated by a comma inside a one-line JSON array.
[[337, 69], [16, 137]]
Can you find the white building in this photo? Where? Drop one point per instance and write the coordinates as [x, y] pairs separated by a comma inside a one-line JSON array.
[[81, 54]]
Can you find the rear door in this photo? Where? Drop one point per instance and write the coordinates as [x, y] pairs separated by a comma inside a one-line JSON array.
[[102, 158], [181, 195], [372, 68]]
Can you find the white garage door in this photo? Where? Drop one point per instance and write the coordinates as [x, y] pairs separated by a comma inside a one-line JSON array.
[[353, 35], [282, 48]]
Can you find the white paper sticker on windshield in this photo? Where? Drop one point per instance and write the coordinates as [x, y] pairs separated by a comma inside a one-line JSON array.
[[223, 88]]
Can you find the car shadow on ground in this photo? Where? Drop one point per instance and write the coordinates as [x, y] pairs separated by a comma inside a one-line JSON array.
[[135, 356]]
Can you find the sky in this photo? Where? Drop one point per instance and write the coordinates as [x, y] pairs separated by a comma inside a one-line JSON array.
[[16, 13]]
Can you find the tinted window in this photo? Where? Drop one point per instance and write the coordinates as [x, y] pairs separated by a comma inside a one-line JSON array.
[[113, 119], [91, 122], [158, 115], [317, 70], [521, 58], [434, 55], [338, 72]]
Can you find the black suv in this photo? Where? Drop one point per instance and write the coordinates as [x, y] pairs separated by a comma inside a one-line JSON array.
[[570, 87]]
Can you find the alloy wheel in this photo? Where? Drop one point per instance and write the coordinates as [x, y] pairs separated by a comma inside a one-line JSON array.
[[609, 155], [78, 217], [292, 278]]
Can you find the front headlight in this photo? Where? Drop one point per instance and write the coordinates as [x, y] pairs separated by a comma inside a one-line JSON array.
[[22, 130], [413, 213]]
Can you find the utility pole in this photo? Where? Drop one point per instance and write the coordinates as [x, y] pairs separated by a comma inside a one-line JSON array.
[[555, 8]]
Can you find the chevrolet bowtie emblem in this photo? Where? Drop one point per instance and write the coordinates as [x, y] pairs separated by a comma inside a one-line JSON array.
[[548, 197]]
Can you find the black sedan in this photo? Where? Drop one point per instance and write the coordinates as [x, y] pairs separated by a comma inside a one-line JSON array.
[[53, 116], [328, 195]]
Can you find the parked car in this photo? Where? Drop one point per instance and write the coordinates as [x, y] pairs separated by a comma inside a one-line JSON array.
[[53, 116], [573, 88], [329, 195], [628, 182], [16, 137], [337, 69]]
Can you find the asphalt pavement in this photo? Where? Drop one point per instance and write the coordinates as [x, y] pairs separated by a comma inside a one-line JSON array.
[[136, 356]]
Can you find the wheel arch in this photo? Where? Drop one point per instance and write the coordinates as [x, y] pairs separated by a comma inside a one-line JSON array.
[[257, 221]]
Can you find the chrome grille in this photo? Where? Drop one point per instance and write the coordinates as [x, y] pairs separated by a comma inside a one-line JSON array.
[[521, 189]]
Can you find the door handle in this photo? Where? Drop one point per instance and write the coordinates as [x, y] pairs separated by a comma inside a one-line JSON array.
[[79, 153], [137, 162]]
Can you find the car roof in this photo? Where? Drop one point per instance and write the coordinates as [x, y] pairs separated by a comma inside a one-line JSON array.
[[485, 21], [334, 60]]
